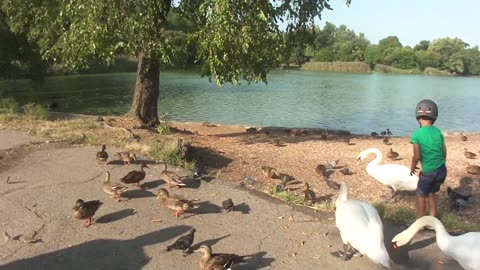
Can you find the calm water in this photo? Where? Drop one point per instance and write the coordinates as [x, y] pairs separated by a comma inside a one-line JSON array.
[[360, 103]]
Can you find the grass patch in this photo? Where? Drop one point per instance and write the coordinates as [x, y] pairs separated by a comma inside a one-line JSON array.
[[286, 196], [164, 127], [351, 67], [35, 111], [8, 106], [166, 150]]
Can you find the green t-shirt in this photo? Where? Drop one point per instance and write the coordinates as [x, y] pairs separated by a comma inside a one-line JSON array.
[[431, 143]]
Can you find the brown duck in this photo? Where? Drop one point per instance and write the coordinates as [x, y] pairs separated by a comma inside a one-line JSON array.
[[171, 178], [269, 172], [392, 154], [102, 156], [127, 157], [217, 261], [134, 177], [86, 210], [463, 138], [469, 154], [309, 195], [175, 202], [115, 190], [472, 169]]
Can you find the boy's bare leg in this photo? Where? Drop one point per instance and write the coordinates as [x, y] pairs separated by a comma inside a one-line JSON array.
[[421, 201], [432, 205]]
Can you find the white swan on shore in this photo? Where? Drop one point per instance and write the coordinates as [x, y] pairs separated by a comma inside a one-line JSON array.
[[395, 176], [465, 248], [360, 226]]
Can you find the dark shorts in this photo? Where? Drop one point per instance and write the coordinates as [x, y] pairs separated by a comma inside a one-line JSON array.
[[430, 182]]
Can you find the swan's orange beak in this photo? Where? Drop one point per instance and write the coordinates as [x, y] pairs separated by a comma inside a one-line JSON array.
[[394, 246]]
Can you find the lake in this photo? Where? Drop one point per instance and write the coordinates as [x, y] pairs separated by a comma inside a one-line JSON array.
[[360, 103]]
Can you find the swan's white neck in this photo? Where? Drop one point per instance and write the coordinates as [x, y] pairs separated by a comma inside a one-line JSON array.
[[376, 161], [443, 238], [343, 193]]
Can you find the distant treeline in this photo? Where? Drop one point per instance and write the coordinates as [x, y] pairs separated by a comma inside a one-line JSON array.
[[339, 48]]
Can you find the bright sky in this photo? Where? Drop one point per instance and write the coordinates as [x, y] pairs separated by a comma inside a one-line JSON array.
[[409, 20]]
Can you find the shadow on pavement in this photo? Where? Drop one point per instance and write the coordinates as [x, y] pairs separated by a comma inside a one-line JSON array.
[[100, 253], [115, 216]]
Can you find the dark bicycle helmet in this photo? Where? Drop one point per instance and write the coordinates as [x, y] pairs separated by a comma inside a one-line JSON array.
[[427, 108]]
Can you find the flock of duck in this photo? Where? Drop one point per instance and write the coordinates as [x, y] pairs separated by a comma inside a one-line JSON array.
[[359, 223], [85, 210]]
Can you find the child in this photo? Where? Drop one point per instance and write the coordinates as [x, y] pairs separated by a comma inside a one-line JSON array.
[[428, 148]]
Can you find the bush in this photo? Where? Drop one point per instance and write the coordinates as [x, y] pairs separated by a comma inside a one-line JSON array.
[[8, 106], [35, 111], [163, 128], [388, 69], [167, 151]]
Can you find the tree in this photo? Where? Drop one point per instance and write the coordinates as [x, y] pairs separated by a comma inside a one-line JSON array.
[[422, 45], [428, 59], [237, 39], [373, 55], [451, 50]]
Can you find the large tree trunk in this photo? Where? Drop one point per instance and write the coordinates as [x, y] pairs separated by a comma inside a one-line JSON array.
[[145, 98]]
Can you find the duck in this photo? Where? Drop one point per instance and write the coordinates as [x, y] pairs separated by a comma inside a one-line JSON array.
[[308, 195], [346, 140], [217, 261], [462, 248], [472, 169], [102, 156], [228, 205], [395, 176], [346, 171], [454, 195], [171, 178], [86, 210], [175, 202], [386, 141], [392, 154], [463, 138], [184, 242], [389, 133], [360, 227], [113, 189], [127, 157], [269, 172], [469, 154], [331, 182], [332, 164], [374, 134], [135, 177]]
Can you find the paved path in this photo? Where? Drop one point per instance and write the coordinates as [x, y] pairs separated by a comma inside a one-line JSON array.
[[48, 178]]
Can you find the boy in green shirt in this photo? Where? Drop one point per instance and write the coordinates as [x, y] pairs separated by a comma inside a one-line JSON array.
[[428, 148]]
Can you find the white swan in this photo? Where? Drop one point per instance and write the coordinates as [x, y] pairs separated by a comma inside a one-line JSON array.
[[465, 248], [395, 176], [360, 227]]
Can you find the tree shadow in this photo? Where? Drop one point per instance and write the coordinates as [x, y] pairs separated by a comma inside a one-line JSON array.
[[115, 216], [466, 184], [192, 183], [243, 208], [137, 193], [100, 253], [209, 158]]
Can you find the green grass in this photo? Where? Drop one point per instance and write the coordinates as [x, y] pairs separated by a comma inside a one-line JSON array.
[[166, 150], [388, 69], [164, 127], [8, 106], [35, 111]]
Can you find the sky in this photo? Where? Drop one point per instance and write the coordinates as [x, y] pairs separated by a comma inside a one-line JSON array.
[[409, 20]]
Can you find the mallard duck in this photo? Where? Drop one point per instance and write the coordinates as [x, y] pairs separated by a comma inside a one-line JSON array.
[[469, 155], [134, 177], [217, 261], [171, 178], [269, 172], [113, 189], [127, 157], [386, 141], [308, 195], [184, 242], [454, 195], [346, 171], [374, 134], [463, 138], [175, 202], [228, 205], [472, 169], [331, 182], [86, 210], [102, 156], [392, 154], [321, 170]]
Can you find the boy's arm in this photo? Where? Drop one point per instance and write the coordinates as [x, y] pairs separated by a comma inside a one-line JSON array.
[[415, 158], [444, 151]]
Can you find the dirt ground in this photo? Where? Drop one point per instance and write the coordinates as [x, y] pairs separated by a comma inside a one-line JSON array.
[[237, 153]]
